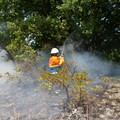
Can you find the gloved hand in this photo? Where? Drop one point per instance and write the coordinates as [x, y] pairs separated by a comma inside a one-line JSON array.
[[61, 60]]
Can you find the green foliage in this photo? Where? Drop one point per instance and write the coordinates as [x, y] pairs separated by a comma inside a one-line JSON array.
[[115, 55], [63, 78], [26, 59], [75, 85], [48, 23], [44, 31], [80, 89]]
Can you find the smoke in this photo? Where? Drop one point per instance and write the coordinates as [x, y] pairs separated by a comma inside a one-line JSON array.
[[88, 61], [5, 66], [24, 100], [82, 60]]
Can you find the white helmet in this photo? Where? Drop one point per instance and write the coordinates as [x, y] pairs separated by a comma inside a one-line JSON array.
[[54, 50]]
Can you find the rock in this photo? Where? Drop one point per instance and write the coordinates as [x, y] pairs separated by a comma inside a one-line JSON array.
[[102, 116], [117, 108], [109, 112], [106, 94], [114, 103], [114, 86], [103, 102]]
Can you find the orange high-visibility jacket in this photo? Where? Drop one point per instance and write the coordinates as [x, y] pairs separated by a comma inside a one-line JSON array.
[[55, 61]]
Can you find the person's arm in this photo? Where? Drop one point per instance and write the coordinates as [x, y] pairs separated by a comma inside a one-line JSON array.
[[62, 60]]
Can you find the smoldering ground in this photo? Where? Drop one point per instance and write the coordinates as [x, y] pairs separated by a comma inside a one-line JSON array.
[[26, 102]]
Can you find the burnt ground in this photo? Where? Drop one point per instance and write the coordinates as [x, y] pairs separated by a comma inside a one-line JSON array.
[[27, 102], [20, 101], [105, 106]]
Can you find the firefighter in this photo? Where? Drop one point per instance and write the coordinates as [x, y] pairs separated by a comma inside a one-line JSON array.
[[55, 61]]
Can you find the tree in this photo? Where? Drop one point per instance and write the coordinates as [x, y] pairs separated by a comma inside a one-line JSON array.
[[50, 22]]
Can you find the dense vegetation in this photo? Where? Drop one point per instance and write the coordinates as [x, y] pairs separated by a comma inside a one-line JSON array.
[[44, 23]]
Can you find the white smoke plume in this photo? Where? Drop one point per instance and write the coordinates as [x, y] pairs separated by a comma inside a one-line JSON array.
[[88, 61]]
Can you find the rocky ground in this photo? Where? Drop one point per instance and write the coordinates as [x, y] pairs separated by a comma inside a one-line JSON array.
[[102, 107]]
